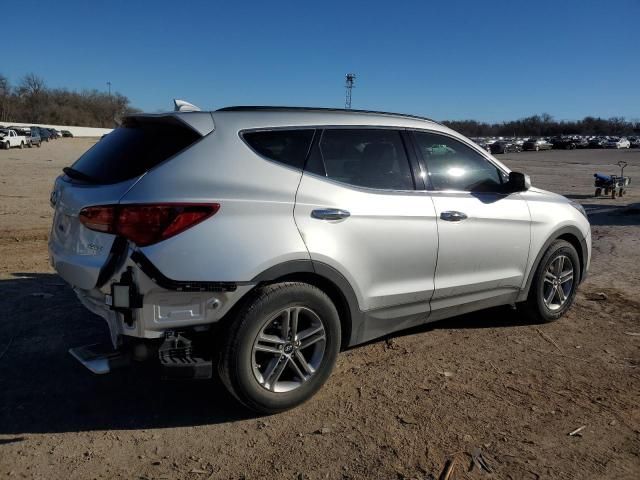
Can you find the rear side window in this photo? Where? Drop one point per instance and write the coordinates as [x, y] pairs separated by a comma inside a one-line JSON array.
[[134, 148], [372, 158], [289, 147]]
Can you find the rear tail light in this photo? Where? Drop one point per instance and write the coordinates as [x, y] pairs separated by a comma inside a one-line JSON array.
[[146, 224]]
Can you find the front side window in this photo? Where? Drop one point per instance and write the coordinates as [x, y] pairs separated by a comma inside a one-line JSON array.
[[452, 165], [289, 147], [372, 158]]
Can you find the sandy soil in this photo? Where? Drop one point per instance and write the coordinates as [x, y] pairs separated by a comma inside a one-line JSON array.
[[400, 407]]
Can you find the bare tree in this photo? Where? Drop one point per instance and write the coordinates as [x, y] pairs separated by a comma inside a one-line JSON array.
[[32, 85], [5, 98]]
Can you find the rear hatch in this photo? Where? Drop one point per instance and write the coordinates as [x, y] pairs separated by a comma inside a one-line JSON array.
[[102, 176]]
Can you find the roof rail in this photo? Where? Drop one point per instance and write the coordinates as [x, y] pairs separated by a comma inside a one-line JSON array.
[[258, 108]]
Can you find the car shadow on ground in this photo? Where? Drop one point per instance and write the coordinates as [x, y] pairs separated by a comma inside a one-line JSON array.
[[44, 390], [608, 215], [580, 196]]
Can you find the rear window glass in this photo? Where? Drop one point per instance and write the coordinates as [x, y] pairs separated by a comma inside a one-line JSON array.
[[134, 148], [289, 147]]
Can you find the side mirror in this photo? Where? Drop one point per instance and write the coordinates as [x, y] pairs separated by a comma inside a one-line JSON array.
[[518, 182]]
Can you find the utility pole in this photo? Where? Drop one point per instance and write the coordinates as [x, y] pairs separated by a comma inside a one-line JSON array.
[[351, 77], [109, 85]]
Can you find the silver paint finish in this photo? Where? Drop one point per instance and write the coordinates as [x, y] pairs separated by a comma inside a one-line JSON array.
[[76, 252], [486, 253], [386, 247], [405, 253]]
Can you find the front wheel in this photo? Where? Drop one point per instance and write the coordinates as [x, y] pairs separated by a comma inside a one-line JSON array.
[[554, 284], [281, 348]]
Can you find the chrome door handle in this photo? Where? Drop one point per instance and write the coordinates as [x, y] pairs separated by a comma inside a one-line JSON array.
[[453, 216], [330, 214]]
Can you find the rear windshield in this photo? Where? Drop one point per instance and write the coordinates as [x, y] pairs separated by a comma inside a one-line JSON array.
[[134, 148]]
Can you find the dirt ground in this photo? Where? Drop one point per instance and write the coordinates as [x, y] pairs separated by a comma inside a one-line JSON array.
[[396, 408]]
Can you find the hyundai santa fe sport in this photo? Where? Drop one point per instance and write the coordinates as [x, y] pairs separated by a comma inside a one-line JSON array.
[[260, 241]]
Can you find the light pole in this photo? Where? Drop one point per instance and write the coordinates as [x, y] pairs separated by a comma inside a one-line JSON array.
[[109, 85]]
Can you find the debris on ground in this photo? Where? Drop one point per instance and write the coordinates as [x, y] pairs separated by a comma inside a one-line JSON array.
[[577, 431], [448, 469], [479, 461], [598, 297]]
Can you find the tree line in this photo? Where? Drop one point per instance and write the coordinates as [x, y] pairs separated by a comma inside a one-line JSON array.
[[545, 126], [31, 101]]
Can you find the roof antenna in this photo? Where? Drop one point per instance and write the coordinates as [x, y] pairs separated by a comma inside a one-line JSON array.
[[182, 106]]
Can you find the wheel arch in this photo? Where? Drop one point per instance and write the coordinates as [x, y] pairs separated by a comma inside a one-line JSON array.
[[570, 234], [327, 279]]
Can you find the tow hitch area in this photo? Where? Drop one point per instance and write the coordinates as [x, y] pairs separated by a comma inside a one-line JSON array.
[[100, 358], [178, 361]]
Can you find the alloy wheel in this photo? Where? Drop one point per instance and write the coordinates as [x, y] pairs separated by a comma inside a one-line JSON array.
[[558, 283], [288, 349]]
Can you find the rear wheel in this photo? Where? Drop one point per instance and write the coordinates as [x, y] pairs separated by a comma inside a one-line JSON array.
[[281, 348], [598, 192], [613, 192], [553, 288]]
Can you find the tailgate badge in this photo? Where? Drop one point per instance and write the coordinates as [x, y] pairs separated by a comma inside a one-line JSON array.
[[95, 248]]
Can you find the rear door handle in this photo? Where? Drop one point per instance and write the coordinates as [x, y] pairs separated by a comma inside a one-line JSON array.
[[330, 214], [453, 216]]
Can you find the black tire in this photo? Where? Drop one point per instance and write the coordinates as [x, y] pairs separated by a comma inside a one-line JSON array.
[[236, 367], [6, 146], [598, 192], [613, 192], [21, 145], [534, 307], [39, 144], [606, 192]]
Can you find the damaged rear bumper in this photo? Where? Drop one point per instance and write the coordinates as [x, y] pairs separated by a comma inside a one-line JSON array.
[[138, 301]]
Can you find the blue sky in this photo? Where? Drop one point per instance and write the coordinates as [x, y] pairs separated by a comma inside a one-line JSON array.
[[487, 60]]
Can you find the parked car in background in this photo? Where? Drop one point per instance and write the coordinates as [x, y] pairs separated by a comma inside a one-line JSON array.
[[34, 137], [634, 142], [54, 133], [66, 133], [503, 146], [265, 277], [9, 138], [569, 143], [597, 142], [536, 144], [44, 134], [482, 143], [618, 143]]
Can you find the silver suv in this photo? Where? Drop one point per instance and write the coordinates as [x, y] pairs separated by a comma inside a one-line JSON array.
[[260, 241]]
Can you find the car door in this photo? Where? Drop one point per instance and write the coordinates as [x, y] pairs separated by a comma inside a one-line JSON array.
[[359, 213], [484, 233]]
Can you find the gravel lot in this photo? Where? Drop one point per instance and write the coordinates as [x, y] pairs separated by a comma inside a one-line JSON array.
[[400, 407]]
